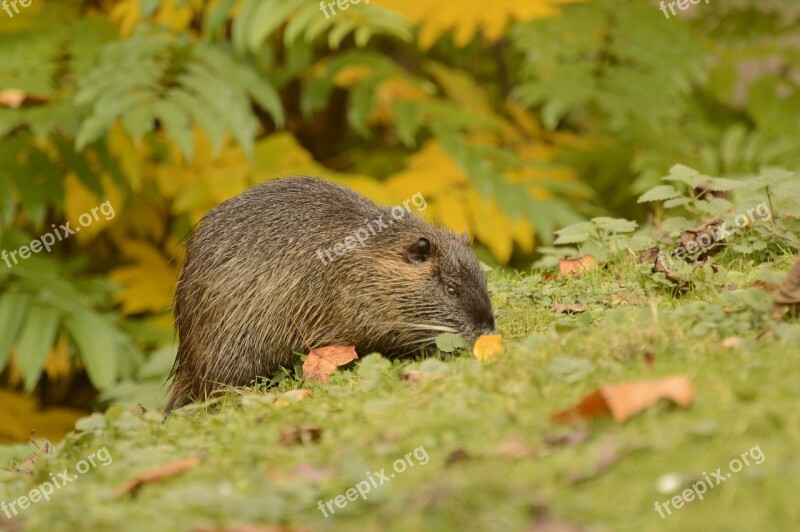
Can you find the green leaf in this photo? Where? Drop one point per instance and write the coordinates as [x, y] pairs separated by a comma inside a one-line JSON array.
[[409, 119], [36, 338], [148, 7], [615, 225], [13, 311], [576, 233], [138, 121], [268, 16], [449, 342], [721, 184], [175, 122], [360, 105], [659, 193], [216, 17], [97, 342], [686, 175], [246, 78], [677, 202], [574, 238], [714, 206]]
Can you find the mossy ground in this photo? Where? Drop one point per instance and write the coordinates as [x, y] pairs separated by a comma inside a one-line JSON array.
[[495, 460]]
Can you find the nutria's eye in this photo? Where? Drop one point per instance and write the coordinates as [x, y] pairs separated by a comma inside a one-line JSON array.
[[451, 290], [419, 251]]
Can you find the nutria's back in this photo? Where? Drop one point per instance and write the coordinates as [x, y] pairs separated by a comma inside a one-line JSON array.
[[299, 261]]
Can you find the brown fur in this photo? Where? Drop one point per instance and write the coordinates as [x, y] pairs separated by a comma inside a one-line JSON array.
[[253, 282]]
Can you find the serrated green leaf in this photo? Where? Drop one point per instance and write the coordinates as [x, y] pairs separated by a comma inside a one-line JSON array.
[[615, 225], [659, 193], [574, 238], [721, 184], [684, 174]]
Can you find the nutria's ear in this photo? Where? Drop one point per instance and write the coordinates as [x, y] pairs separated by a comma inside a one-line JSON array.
[[465, 237], [419, 251]]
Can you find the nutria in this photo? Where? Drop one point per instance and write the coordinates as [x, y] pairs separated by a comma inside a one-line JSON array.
[[299, 262]]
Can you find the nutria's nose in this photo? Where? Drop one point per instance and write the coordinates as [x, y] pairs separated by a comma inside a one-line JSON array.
[[486, 323]]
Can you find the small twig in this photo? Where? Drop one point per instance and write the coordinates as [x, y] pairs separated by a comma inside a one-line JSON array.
[[301, 334], [771, 207], [784, 237]]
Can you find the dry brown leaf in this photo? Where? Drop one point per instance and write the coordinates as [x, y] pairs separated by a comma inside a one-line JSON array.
[[701, 238], [569, 309], [652, 257], [649, 256], [15, 98], [578, 266], [649, 359], [306, 434], [488, 346], [155, 474], [456, 456], [323, 361], [292, 396], [765, 286], [787, 300], [622, 401]]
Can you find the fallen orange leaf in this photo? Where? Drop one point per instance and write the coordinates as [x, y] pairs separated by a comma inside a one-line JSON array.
[[292, 396], [15, 98], [488, 346], [158, 473], [622, 401], [323, 361], [577, 266]]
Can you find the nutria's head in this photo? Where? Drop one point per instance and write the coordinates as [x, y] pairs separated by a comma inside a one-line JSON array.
[[434, 281]]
